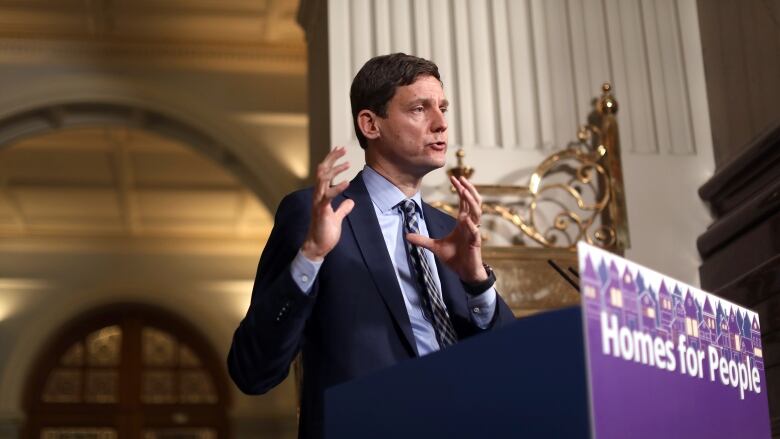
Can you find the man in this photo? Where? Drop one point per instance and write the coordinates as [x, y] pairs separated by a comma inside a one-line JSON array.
[[344, 276]]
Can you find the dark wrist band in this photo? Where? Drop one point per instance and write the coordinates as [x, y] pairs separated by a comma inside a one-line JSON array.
[[477, 289]]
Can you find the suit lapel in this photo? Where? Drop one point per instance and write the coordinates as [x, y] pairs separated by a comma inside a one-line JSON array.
[[365, 227]]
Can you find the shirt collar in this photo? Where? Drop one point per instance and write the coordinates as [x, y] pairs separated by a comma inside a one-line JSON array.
[[384, 194]]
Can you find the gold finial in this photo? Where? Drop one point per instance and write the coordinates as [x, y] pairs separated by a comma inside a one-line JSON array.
[[583, 134], [461, 170], [607, 104]]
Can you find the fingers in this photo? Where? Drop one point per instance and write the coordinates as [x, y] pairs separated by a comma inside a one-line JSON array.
[[470, 200], [324, 201], [334, 154], [338, 169], [344, 209], [463, 207], [331, 192], [421, 241], [472, 190], [326, 171], [473, 228]]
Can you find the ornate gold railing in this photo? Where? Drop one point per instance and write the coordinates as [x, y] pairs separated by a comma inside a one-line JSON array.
[[574, 194]]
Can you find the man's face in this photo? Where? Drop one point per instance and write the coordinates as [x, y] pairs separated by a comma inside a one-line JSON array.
[[413, 136]]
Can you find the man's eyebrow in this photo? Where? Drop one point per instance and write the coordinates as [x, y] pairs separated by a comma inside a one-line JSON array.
[[444, 102]]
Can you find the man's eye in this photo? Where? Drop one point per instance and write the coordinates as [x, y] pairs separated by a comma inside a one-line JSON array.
[[418, 109], [443, 109]]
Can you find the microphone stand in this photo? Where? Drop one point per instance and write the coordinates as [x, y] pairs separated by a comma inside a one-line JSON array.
[[574, 283]]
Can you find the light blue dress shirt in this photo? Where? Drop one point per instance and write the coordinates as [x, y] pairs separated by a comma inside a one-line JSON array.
[[385, 197]]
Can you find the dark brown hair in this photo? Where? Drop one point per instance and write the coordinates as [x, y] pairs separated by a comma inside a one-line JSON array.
[[374, 85]]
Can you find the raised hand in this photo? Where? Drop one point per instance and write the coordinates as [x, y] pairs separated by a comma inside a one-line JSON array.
[[461, 250], [325, 226]]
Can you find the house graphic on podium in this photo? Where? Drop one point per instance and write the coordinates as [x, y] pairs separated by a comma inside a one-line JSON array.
[[627, 296]]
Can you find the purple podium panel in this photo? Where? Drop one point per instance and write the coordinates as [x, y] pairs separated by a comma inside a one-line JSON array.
[[666, 359]]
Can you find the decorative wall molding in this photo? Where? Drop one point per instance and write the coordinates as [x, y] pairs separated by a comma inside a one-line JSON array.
[[259, 35], [264, 175], [233, 21], [522, 73], [263, 58]]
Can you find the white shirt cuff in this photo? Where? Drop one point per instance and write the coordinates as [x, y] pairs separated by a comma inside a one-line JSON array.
[[482, 307], [304, 271]]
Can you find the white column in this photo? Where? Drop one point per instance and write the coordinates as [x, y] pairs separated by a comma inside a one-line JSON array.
[[527, 117], [461, 39], [503, 68]]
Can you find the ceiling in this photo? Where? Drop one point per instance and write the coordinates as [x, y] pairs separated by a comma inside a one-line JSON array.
[[113, 181], [244, 35], [172, 21], [129, 183]]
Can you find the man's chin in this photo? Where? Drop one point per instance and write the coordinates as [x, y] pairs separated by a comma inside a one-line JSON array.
[[432, 166], [438, 157]]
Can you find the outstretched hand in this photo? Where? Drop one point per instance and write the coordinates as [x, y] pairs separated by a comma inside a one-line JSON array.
[[461, 250], [325, 226]]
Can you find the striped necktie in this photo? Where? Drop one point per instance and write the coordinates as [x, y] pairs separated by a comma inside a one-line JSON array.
[[445, 332]]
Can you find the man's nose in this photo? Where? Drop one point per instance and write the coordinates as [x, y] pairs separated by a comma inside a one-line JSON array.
[[439, 122]]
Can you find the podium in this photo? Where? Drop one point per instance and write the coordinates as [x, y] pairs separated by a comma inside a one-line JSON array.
[[644, 356], [525, 380]]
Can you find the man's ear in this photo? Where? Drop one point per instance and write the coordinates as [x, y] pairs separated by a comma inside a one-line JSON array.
[[368, 123]]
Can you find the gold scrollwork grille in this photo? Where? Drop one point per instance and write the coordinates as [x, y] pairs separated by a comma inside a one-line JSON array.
[[573, 194]]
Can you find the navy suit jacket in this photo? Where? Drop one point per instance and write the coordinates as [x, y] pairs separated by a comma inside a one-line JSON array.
[[354, 320]]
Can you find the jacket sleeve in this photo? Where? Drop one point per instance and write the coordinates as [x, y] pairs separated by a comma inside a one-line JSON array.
[[269, 336], [503, 315]]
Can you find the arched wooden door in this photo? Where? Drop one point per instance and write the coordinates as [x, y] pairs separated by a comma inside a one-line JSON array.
[[127, 372]]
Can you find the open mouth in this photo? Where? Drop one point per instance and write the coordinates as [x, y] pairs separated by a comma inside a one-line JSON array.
[[439, 146]]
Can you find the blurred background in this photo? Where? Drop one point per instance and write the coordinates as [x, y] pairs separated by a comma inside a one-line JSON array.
[[144, 146], [121, 184]]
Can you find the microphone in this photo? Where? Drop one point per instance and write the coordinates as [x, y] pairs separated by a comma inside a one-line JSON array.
[[574, 284]]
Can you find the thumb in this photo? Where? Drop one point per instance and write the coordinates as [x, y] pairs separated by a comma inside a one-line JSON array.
[[344, 208], [421, 241]]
